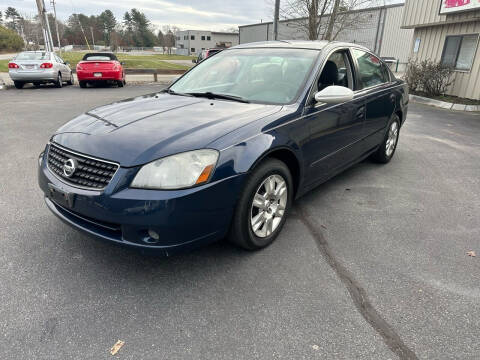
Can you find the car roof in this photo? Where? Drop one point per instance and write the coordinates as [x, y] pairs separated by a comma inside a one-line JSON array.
[[296, 44]]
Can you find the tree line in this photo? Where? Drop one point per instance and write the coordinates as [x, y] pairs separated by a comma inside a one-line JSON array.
[[134, 29]]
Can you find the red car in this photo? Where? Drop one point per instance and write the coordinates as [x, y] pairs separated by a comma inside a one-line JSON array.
[[100, 67]]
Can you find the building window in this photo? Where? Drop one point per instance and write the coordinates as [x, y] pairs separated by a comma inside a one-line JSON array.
[[192, 50], [459, 51], [208, 38], [192, 37], [203, 37], [185, 37]]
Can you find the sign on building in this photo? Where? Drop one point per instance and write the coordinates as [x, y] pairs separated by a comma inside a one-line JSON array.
[[451, 6]]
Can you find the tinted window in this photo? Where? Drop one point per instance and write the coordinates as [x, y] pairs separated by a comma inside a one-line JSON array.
[[258, 75], [33, 56], [371, 70]]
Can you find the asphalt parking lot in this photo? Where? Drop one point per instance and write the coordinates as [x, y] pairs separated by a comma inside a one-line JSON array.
[[371, 265]]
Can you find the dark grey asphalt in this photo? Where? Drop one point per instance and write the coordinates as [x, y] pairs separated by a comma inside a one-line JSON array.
[[371, 265]]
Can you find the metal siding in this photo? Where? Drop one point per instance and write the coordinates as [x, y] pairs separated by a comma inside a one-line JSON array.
[[422, 12], [466, 84], [253, 33], [396, 42]]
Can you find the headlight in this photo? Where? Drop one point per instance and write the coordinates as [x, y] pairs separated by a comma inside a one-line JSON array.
[[177, 171]]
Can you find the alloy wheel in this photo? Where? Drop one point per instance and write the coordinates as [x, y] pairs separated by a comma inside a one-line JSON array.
[[392, 139], [268, 205]]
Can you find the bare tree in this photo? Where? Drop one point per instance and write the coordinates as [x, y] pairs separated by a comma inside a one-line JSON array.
[[323, 19]]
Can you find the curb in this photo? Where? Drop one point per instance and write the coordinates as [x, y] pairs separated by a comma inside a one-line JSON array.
[[444, 104]]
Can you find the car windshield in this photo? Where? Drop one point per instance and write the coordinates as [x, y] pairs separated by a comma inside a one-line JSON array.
[[33, 56], [274, 76]]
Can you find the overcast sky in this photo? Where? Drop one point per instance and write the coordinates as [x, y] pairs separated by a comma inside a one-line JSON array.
[[186, 14]]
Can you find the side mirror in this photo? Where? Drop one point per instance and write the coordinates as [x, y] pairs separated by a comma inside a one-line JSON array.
[[122, 62], [334, 95], [66, 63], [194, 61]]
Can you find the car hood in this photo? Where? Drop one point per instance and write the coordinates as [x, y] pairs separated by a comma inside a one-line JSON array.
[[139, 130]]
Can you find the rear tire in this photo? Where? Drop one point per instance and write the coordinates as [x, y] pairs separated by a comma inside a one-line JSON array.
[[389, 144], [72, 80], [120, 83], [19, 84], [59, 82], [36, 84], [263, 206], [83, 84]]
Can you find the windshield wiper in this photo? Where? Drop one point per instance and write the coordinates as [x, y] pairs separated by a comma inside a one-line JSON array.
[[211, 95], [171, 92]]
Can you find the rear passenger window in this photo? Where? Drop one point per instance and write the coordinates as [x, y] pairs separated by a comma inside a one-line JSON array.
[[371, 70]]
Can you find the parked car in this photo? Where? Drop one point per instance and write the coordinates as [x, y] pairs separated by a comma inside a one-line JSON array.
[[39, 67], [100, 67], [205, 54], [224, 150]]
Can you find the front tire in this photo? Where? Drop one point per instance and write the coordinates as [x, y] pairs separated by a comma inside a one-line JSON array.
[[387, 148], [263, 206], [59, 82], [72, 80], [19, 84]]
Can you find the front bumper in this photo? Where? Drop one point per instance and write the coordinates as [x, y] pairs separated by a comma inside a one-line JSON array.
[[183, 219], [46, 75]]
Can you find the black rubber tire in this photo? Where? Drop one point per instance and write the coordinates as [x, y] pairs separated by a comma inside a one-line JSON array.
[[36, 84], [120, 83], [83, 84], [59, 82], [19, 84], [72, 80], [241, 233], [380, 155]]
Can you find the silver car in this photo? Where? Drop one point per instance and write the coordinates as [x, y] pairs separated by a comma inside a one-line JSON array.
[[39, 67]]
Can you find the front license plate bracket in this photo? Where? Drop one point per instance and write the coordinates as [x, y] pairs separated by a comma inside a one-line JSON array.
[[60, 196]]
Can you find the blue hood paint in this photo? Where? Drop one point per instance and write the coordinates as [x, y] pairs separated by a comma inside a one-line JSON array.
[[139, 130]]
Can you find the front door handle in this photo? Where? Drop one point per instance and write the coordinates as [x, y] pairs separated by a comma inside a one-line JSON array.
[[360, 113]]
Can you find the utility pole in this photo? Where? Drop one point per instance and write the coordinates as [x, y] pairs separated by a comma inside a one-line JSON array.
[[41, 10], [52, 2], [276, 15], [83, 32], [93, 39], [49, 33]]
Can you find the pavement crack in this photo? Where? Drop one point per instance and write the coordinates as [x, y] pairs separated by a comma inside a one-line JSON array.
[[357, 293]]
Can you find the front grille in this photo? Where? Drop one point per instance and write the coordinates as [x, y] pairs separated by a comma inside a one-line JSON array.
[[89, 172]]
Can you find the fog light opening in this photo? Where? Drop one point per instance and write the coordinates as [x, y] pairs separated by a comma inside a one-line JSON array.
[[153, 234]]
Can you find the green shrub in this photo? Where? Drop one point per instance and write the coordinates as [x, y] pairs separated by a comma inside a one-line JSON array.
[[432, 78], [10, 40]]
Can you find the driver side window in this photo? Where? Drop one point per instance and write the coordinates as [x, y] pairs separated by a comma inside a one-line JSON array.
[[336, 71]]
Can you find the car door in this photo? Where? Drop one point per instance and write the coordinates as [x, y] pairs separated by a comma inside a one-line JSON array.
[[335, 129], [374, 80], [63, 68]]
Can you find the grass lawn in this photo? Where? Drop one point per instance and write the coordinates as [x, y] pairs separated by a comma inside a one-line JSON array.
[[131, 61]]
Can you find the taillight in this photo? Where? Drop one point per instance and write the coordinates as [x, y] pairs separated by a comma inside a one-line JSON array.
[[13, 66], [46, 66], [79, 67]]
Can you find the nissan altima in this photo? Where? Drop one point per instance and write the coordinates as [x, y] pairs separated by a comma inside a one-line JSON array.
[[224, 151]]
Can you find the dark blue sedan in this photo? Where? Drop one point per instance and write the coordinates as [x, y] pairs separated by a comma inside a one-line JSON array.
[[225, 150]]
